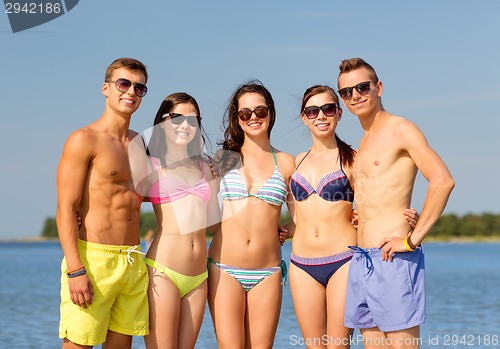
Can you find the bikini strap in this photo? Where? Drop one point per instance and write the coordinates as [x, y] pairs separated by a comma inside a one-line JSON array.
[[340, 161], [274, 155], [202, 167], [302, 159]]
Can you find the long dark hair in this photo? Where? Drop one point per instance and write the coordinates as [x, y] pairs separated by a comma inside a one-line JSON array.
[[157, 146], [233, 134], [346, 152]]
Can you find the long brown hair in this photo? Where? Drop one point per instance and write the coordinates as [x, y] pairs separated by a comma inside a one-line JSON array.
[[157, 146], [233, 134], [346, 152]]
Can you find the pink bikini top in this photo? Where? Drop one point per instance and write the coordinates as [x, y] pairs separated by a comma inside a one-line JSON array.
[[169, 189]]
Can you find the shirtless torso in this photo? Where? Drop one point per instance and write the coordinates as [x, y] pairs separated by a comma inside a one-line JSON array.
[[384, 175], [94, 181], [109, 205], [391, 152]]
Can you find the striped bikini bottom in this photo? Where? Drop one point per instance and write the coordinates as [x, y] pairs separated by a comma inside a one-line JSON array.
[[248, 278]]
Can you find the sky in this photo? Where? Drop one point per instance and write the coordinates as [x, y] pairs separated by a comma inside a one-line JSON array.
[[438, 60]]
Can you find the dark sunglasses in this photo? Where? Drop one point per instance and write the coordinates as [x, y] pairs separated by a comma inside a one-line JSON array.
[[123, 85], [312, 112], [178, 119], [261, 112], [363, 88]]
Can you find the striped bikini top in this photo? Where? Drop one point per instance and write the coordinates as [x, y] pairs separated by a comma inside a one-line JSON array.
[[274, 191]]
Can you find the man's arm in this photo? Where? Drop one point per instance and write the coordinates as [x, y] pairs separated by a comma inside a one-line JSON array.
[[71, 177], [437, 174], [439, 189]]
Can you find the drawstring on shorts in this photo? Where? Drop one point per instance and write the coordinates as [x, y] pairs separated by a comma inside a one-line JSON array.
[[284, 272], [366, 254], [130, 250]]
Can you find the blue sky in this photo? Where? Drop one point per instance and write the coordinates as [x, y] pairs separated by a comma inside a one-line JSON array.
[[438, 60]]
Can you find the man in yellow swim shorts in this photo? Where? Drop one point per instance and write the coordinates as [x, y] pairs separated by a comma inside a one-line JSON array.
[[104, 278]]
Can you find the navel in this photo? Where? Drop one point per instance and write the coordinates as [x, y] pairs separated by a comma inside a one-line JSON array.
[[376, 163]]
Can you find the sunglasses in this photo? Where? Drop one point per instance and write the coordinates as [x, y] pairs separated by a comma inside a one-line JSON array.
[[363, 88], [123, 85], [261, 112], [312, 112], [178, 119]]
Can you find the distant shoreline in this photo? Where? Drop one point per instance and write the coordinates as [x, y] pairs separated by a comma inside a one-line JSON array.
[[463, 240], [29, 239], [430, 239]]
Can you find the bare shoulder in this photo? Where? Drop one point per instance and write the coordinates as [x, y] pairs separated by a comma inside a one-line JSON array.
[[286, 162], [401, 124], [78, 151], [136, 139], [408, 132], [285, 158], [133, 134], [86, 133], [81, 141], [300, 157]]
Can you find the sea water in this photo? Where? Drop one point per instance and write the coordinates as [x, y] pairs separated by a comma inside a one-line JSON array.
[[463, 299]]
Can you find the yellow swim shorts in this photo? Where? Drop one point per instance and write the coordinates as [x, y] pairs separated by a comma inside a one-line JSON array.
[[120, 304]]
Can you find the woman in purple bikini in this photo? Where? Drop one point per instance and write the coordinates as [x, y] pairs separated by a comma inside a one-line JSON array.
[[322, 187]]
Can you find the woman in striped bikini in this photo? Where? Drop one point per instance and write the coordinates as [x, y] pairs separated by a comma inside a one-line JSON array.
[[245, 265]]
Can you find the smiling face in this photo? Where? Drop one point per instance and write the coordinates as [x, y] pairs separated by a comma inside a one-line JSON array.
[[322, 125], [361, 104], [183, 133], [254, 126], [123, 102]]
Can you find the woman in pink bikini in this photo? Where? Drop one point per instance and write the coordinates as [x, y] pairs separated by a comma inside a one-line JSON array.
[[183, 192]]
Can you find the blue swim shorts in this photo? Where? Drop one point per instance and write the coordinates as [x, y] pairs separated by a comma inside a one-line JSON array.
[[390, 296]]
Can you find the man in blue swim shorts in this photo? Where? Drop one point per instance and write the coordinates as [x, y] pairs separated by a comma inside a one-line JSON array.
[[386, 287], [387, 295], [104, 278]]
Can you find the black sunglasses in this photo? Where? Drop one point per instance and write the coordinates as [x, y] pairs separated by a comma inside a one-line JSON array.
[[123, 85], [261, 112], [312, 112], [363, 88], [178, 119]]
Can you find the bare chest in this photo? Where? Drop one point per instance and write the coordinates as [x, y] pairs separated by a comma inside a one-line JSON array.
[[111, 163], [376, 157]]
